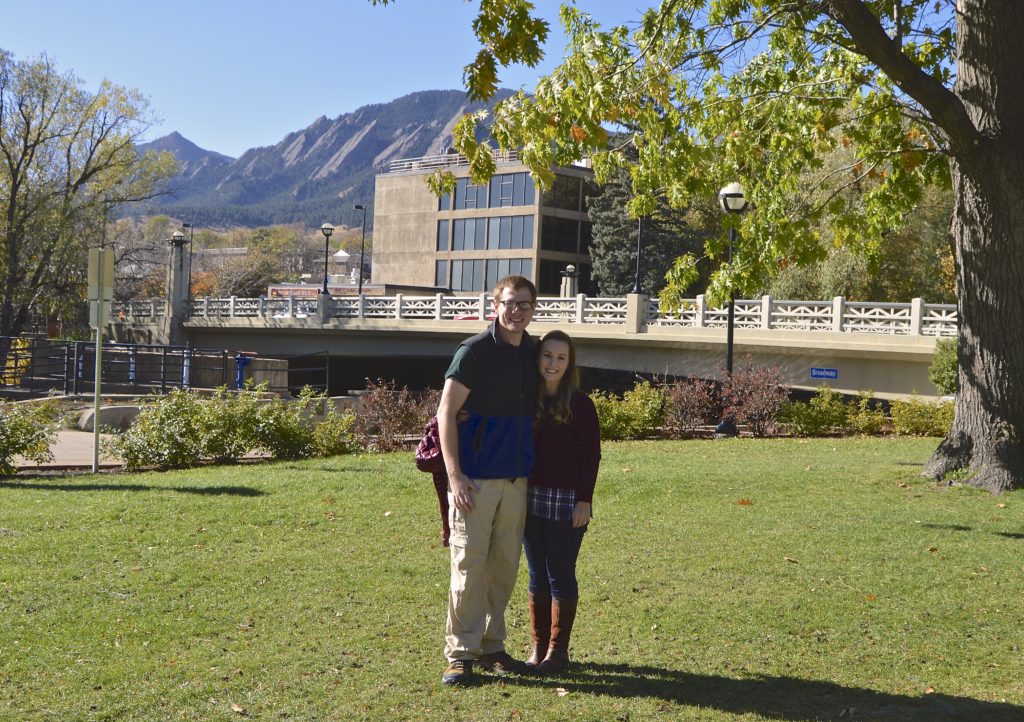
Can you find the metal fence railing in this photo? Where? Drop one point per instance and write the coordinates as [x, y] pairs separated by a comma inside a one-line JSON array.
[[45, 365]]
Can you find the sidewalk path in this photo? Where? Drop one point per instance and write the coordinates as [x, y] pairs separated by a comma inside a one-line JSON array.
[[73, 449]]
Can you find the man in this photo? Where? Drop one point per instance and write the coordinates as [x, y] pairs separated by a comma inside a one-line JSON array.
[[488, 456]]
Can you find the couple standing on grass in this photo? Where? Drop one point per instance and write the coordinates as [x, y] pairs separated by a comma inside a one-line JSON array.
[[522, 461]]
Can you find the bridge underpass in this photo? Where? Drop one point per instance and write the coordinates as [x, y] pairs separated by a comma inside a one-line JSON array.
[[416, 352]]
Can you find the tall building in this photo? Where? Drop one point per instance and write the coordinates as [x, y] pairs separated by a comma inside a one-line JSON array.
[[467, 240]]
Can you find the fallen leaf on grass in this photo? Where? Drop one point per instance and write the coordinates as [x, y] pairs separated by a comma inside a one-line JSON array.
[[932, 549], [930, 690], [387, 513], [1000, 505], [870, 597], [745, 502], [561, 691], [330, 515], [791, 560], [237, 708], [626, 470]]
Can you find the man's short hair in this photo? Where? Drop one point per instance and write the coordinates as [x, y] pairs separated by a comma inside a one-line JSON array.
[[515, 283]]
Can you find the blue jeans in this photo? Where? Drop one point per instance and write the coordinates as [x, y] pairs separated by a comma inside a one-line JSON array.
[[551, 550]]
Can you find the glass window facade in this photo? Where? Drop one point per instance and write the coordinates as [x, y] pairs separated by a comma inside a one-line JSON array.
[[441, 274], [498, 268], [564, 193], [442, 235], [468, 274], [468, 195], [549, 277], [510, 232], [469, 234], [512, 189], [559, 234], [480, 274]]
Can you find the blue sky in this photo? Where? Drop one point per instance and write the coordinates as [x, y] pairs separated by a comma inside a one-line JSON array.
[[230, 75]]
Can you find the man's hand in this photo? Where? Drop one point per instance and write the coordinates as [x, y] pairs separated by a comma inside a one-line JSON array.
[[580, 514], [462, 490]]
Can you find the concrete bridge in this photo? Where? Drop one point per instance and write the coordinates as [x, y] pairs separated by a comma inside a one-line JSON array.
[[885, 347]]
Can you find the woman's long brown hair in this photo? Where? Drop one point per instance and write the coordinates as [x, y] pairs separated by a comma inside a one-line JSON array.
[[560, 411]]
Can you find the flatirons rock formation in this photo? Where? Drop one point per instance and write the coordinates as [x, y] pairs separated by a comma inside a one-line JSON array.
[[314, 174]]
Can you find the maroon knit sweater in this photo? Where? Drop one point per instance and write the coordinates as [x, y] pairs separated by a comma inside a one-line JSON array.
[[567, 455]]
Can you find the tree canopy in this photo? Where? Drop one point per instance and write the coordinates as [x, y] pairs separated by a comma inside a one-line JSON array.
[[67, 157], [917, 92]]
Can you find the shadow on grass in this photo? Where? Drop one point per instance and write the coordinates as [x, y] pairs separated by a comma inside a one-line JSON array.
[[960, 527], [202, 490], [778, 698]]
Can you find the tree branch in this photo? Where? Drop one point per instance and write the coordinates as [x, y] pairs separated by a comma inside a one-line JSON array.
[[872, 42]]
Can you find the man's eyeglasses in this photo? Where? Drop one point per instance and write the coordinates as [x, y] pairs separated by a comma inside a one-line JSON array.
[[512, 304]]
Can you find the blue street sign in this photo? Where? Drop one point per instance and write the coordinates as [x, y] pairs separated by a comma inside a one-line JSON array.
[[822, 373]]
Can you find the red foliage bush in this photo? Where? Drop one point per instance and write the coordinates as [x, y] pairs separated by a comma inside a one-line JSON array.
[[689, 404], [388, 415], [754, 395]]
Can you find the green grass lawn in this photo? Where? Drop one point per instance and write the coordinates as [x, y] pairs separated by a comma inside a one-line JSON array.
[[729, 580]]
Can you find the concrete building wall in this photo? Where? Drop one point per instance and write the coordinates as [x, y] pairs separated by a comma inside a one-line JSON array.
[[404, 230]]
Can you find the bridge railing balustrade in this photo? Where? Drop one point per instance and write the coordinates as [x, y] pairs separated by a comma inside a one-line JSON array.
[[837, 315], [603, 310], [939, 319], [800, 315]]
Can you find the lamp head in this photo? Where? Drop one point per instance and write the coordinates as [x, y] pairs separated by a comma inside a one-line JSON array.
[[732, 199], [327, 229]]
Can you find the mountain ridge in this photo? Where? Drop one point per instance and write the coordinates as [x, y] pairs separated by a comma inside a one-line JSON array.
[[315, 173]]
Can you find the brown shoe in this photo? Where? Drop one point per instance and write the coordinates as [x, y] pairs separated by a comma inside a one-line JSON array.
[[501, 663], [460, 671], [540, 623], [563, 615]]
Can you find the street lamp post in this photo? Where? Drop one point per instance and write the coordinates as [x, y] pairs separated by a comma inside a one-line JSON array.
[[636, 279], [569, 281], [362, 244], [327, 229], [191, 236], [732, 200]]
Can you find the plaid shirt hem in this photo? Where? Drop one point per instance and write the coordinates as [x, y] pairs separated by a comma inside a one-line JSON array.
[[552, 504]]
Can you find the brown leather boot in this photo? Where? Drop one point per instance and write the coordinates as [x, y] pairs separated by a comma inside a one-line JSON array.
[[563, 614], [540, 622]]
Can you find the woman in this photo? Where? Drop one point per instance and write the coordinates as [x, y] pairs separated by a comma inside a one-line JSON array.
[[568, 452]]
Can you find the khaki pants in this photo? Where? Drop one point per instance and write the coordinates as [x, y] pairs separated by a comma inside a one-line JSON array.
[[485, 547]]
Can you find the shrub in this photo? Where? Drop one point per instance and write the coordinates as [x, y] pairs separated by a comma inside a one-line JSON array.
[[754, 395], [26, 431], [824, 414], [637, 414], [690, 404], [168, 433], [387, 414], [943, 370], [917, 417], [335, 435], [863, 418], [228, 422], [283, 428]]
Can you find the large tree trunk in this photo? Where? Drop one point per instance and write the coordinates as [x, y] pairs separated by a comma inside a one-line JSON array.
[[987, 438]]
